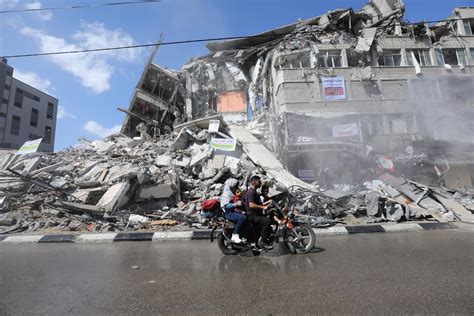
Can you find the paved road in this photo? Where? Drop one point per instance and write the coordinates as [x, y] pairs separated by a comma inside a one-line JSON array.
[[425, 272]]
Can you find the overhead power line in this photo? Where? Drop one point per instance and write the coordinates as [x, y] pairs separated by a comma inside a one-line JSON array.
[[182, 42], [81, 6]]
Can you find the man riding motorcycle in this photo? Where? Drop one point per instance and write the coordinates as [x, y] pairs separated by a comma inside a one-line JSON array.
[[255, 210]]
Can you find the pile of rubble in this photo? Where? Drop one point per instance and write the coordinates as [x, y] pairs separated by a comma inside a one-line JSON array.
[[116, 184], [124, 183], [388, 198]]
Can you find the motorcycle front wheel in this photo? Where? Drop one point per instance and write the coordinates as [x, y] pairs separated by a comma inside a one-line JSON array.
[[224, 245], [300, 239]]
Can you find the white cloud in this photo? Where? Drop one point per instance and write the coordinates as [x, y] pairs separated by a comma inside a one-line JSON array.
[[62, 113], [94, 70], [33, 80], [97, 129], [42, 15]]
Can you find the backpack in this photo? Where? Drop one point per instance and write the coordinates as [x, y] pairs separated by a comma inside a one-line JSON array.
[[212, 205]]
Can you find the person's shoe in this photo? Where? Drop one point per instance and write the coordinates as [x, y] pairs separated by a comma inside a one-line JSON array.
[[235, 239], [244, 240]]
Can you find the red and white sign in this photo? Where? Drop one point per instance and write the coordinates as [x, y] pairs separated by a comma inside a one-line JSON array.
[[334, 88], [345, 130]]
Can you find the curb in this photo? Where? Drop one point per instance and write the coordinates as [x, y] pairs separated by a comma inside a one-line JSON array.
[[205, 234]]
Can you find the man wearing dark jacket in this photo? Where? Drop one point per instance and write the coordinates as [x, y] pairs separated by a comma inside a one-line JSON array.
[[256, 210]]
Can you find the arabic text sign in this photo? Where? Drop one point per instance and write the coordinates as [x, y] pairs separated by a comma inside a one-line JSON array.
[[345, 130], [29, 147], [214, 126], [223, 144], [334, 88]]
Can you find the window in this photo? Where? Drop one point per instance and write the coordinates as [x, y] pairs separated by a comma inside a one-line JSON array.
[[456, 90], [421, 55], [390, 58], [47, 135], [472, 55], [3, 114], [27, 94], [402, 124], [375, 126], [34, 117], [467, 27], [7, 87], [18, 98], [299, 60], [50, 112], [9, 73], [425, 89], [451, 56], [5, 101], [329, 59], [15, 126]]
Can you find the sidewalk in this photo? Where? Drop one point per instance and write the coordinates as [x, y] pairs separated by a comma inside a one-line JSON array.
[[205, 234]]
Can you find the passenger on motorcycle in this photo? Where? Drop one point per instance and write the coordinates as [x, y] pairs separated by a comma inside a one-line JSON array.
[[232, 209], [255, 210]]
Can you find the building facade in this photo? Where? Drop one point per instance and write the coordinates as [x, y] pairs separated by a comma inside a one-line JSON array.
[[344, 96], [26, 113]]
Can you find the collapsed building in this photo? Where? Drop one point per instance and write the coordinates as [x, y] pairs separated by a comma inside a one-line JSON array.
[[339, 98], [348, 98]]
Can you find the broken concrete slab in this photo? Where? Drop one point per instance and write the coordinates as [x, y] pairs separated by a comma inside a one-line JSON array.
[[161, 191], [203, 123], [114, 197], [261, 156], [454, 206], [163, 161], [200, 153]]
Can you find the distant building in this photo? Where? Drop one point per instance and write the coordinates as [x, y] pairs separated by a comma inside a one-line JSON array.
[[26, 113]]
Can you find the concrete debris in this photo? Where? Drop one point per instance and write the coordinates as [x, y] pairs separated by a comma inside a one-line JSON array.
[[103, 187], [260, 105]]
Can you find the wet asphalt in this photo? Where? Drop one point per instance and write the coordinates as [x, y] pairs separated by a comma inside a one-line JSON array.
[[411, 273]]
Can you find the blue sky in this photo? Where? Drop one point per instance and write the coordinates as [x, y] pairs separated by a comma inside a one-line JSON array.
[[91, 86]]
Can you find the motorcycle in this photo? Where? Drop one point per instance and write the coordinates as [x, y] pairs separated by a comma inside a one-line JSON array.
[[298, 236]]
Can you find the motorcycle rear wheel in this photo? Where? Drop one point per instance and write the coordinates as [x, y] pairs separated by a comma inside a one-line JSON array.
[[224, 245], [301, 240]]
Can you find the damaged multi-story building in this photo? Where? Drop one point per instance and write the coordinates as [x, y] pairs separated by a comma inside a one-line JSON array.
[[341, 97]]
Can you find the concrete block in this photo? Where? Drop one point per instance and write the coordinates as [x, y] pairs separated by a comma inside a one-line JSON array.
[[183, 163], [185, 235], [233, 164], [122, 172], [31, 164], [114, 197], [23, 239], [101, 146], [182, 140], [161, 191], [89, 196], [331, 231], [96, 238], [396, 228], [217, 162], [200, 153], [163, 161]]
